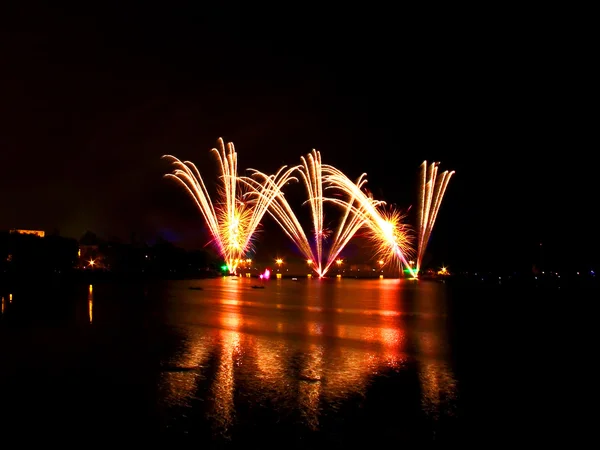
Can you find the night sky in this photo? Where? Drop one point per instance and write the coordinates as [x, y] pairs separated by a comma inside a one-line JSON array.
[[90, 98]]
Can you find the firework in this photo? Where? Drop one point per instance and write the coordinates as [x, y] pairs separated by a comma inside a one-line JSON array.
[[268, 188], [432, 190], [358, 210], [233, 219], [312, 172], [386, 229]]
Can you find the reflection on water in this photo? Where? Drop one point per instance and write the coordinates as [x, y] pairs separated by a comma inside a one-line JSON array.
[[230, 357], [304, 347], [310, 385], [436, 378], [91, 303], [297, 362]]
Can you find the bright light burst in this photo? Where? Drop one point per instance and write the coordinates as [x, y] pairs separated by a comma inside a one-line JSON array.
[[358, 210], [313, 174], [431, 193], [233, 219], [386, 229], [391, 237], [242, 202]]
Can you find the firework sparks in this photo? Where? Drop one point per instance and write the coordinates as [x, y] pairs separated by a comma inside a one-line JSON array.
[[359, 209], [268, 188], [392, 238], [431, 194], [386, 228], [233, 219], [312, 173]]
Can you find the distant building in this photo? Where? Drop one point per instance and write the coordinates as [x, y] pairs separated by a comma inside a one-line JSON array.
[[32, 251], [38, 233]]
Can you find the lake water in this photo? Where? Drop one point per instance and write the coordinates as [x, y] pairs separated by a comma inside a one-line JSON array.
[[299, 363]]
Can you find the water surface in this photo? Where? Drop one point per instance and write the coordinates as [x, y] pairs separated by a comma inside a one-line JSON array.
[[301, 362]]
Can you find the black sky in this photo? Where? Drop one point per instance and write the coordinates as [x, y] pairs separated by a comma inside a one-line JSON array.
[[91, 96]]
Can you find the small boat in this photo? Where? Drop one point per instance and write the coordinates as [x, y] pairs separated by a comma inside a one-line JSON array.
[[195, 288], [257, 287]]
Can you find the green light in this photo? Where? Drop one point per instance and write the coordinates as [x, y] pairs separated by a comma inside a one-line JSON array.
[[224, 268]]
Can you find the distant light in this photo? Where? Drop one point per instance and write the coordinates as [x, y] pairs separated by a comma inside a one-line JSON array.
[[224, 268]]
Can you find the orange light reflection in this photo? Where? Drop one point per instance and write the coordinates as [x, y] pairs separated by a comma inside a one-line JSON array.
[[231, 352], [91, 303], [438, 385], [310, 384]]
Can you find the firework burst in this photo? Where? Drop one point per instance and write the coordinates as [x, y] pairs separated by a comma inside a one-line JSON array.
[[431, 193], [312, 173], [232, 219], [392, 237], [386, 229]]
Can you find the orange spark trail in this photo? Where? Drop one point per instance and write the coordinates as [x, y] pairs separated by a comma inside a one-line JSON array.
[[232, 220], [431, 194]]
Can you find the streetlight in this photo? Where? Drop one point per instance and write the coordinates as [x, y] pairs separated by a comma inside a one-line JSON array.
[[279, 262]]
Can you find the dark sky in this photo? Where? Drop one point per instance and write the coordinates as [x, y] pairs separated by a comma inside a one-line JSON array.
[[92, 96]]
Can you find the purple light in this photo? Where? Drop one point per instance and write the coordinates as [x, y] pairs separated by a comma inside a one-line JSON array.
[[267, 274]]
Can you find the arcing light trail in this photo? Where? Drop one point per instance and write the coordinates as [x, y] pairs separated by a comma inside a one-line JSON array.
[[232, 221], [386, 229], [243, 201], [431, 194], [269, 187], [359, 210], [314, 175]]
